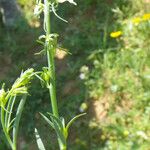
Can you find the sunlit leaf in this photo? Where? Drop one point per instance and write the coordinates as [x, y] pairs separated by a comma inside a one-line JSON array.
[[39, 141]]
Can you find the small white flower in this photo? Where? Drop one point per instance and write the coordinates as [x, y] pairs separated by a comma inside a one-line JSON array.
[[82, 76], [114, 88], [130, 26], [70, 1], [142, 134]]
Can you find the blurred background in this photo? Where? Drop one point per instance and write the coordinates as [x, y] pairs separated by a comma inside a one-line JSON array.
[[107, 75]]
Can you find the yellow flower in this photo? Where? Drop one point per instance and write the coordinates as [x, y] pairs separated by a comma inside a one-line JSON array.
[[146, 17], [126, 133], [116, 34], [136, 21]]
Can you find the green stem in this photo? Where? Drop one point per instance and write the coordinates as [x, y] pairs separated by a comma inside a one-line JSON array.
[[51, 65], [4, 129], [8, 118], [17, 120], [8, 108], [9, 105], [62, 146], [50, 59]]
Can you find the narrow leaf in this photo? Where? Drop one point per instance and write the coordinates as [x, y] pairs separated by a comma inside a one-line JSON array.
[[39, 141], [57, 120], [48, 121], [40, 42], [73, 119], [10, 124], [59, 132], [18, 117], [41, 52], [39, 77], [53, 9]]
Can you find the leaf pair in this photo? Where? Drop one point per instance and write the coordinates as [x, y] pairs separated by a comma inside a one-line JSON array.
[[58, 124], [49, 42]]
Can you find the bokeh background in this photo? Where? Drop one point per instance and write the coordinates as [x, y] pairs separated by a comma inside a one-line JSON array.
[[107, 75]]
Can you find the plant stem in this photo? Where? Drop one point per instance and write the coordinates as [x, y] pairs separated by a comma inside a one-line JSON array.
[[17, 120], [62, 146], [4, 128], [10, 111], [7, 112], [51, 65], [50, 59]]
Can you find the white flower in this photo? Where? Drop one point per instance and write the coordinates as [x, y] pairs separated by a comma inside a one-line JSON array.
[[142, 134], [82, 76], [114, 88], [70, 1]]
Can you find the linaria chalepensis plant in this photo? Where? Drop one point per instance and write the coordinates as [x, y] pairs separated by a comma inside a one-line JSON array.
[[49, 42], [19, 90]]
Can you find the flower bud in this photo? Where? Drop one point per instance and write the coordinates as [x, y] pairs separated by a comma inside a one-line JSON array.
[[2, 97], [24, 78]]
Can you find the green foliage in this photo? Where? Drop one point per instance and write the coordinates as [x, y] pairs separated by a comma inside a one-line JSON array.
[[116, 73], [58, 124], [120, 73], [48, 74], [10, 123]]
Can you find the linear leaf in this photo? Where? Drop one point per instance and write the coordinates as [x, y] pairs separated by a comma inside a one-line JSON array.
[[73, 119], [57, 120], [48, 121], [39, 141], [18, 117], [59, 133]]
